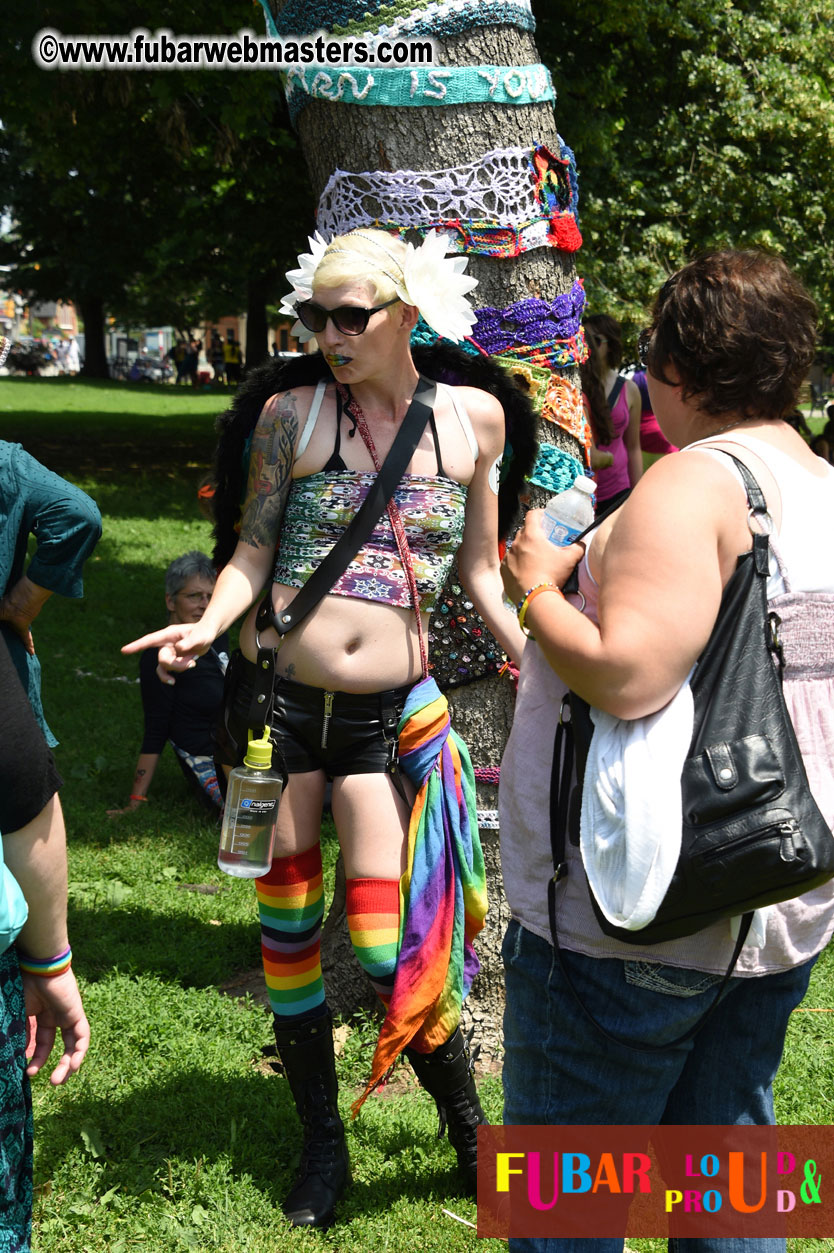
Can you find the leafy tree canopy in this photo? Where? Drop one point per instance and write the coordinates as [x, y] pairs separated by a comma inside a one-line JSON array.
[[155, 195], [697, 124]]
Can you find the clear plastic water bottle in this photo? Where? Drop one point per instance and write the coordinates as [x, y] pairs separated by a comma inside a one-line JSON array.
[[570, 513], [251, 813]]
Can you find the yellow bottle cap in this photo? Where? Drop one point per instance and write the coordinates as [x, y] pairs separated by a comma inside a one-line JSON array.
[[259, 752]]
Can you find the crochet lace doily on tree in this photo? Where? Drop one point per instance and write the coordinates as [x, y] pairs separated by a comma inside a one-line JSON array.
[[506, 186]]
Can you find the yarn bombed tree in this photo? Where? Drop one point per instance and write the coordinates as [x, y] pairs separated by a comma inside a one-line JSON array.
[[468, 146]]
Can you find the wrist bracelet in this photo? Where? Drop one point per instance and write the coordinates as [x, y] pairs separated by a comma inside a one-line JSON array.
[[45, 967], [530, 597], [135, 797]]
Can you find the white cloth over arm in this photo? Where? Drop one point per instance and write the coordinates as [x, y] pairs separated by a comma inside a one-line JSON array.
[[630, 826]]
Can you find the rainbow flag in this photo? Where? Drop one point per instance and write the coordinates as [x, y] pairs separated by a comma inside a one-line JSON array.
[[443, 899]]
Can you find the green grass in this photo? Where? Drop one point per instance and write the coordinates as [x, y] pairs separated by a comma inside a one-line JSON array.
[[175, 1134]]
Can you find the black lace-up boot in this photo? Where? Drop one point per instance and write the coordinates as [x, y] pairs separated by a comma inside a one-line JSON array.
[[447, 1075], [306, 1053]]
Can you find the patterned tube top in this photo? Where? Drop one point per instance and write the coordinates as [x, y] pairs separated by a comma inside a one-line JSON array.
[[319, 508]]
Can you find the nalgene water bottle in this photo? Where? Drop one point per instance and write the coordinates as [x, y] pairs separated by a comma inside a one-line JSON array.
[[570, 513], [251, 813]]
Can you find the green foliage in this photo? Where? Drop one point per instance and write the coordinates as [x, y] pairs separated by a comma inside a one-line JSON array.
[[153, 195], [696, 124]]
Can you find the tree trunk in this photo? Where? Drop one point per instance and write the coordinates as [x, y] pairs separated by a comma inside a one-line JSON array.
[[257, 329], [95, 352], [358, 138]]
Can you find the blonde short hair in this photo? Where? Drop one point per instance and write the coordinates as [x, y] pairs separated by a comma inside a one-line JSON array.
[[367, 256]]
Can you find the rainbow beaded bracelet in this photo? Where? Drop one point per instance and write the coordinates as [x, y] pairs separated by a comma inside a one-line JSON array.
[[530, 596], [46, 967]]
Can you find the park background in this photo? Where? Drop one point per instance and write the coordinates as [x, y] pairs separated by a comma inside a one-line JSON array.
[[174, 198]]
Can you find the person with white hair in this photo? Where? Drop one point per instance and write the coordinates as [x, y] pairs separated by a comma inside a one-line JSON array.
[[181, 710]]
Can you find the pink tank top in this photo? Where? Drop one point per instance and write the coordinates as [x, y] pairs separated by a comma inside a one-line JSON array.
[[614, 478]]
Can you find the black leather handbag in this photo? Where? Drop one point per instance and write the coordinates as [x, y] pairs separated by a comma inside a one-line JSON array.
[[752, 833]]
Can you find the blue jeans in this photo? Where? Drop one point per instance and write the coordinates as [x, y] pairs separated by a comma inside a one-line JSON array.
[[559, 1068]]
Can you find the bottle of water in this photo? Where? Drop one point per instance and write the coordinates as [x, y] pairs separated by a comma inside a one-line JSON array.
[[251, 813], [570, 513]]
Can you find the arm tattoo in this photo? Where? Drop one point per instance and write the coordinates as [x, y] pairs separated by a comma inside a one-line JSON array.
[[270, 472]]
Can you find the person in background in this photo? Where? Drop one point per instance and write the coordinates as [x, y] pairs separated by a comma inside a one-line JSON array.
[[652, 439], [66, 524], [615, 400], [38, 991], [72, 360], [192, 361], [179, 355], [232, 359], [823, 444], [217, 358], [182, 709], [797, 421]]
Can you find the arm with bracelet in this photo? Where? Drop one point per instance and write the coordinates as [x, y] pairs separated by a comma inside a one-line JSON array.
[[35, 853], [37, 857]]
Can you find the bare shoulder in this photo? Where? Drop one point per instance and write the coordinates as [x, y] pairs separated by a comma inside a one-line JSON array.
[[682, 474], [287, 407], [485, 412], [682, 500], [633, 393]]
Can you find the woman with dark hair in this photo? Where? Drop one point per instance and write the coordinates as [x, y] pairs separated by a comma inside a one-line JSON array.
[[613, 406], [349, 700], [731, 339]]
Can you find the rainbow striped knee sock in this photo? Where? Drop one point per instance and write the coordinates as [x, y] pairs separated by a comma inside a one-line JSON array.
[[373, 914], [291, 908]]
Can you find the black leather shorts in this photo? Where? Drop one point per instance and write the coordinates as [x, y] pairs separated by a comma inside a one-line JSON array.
[[340, 733]]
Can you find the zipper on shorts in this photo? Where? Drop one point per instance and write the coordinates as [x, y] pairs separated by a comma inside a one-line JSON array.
[[328, 713]]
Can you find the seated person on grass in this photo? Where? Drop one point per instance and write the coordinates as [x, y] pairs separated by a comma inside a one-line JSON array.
[[182, 709]]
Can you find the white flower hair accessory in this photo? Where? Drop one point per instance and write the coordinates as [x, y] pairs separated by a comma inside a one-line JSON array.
[[431, 280], [437, 285], [5, 349], [302, 283]]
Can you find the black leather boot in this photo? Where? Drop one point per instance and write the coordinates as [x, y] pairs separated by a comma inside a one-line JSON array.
[[306, 1053], [446, 1074]]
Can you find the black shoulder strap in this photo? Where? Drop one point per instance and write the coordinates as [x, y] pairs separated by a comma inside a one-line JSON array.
[[364, 521], [757, 505], [619, 384]]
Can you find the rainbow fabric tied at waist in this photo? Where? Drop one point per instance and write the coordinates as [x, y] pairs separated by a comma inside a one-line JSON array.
[[443, 900]]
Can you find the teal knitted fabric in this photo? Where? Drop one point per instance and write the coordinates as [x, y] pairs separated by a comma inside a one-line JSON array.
[[554, 470], [419, 87]]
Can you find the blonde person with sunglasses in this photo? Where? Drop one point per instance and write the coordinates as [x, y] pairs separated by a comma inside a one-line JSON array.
[[352, 678]]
